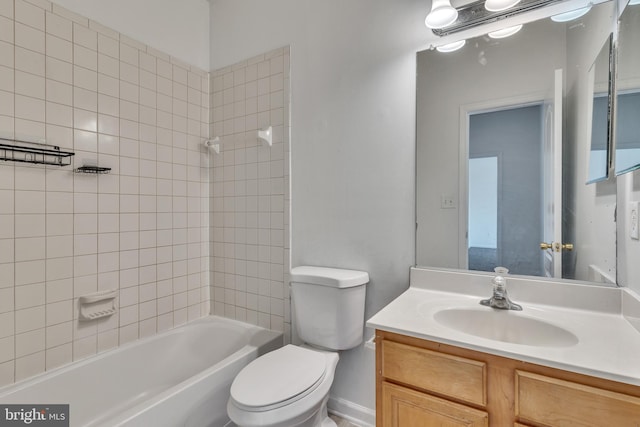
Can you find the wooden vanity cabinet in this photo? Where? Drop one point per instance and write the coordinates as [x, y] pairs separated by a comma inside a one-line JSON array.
[[422, 383]]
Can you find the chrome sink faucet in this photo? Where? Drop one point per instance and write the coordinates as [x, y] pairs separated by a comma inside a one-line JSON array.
[[500, 298]]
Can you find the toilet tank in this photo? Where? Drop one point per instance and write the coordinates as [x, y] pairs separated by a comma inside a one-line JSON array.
[[328, 306]]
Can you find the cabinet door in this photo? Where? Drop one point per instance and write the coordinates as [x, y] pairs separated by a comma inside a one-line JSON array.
[[554, 402], [403, 407], [443, 374]]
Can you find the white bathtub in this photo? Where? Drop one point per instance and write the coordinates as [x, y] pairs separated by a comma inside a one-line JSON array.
[[178, 378]]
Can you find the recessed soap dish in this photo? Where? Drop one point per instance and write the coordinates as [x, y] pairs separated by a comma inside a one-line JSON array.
[[97, 305]]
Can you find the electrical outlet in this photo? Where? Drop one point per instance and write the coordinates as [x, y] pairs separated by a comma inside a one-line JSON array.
[[447, 202], [633, 221]]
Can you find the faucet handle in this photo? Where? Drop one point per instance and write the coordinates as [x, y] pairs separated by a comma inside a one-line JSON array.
[[499, 282]]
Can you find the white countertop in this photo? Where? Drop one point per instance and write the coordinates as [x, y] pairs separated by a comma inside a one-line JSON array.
[[608, 346]]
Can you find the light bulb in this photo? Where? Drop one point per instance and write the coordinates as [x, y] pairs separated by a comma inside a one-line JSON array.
[[451, 47], [499, 5], [442, 14], [571, 15], [505, 32]]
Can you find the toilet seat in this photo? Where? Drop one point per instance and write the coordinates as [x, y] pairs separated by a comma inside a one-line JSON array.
[[278, 378]]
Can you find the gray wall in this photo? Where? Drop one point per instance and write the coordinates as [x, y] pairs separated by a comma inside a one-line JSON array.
[[352, 140], [628, 184], [589, 210]]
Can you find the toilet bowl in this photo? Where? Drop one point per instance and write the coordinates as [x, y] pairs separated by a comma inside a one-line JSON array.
[[289, 387]]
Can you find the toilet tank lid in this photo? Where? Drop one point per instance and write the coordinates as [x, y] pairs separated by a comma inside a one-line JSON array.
[[335, 277]]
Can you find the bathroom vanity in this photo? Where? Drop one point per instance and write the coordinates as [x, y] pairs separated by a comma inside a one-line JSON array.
[[559, 362]]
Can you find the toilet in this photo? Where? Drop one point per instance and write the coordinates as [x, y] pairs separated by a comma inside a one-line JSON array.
[[289, 387]]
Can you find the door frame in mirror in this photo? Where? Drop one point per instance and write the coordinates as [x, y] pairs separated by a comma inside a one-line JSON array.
[[466, 110]]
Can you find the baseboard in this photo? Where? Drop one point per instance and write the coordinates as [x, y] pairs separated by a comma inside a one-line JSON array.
[[352, 412]]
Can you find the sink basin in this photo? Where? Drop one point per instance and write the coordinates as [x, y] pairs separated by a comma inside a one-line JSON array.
[[506, 326]]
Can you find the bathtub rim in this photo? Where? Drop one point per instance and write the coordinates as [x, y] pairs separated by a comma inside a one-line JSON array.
[[258, 336]]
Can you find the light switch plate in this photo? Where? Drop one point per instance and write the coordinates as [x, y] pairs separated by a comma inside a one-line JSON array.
[[633, 221], [447, 202]]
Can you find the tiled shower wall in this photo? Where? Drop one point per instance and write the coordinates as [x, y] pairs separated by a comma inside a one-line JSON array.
[[250, 192], [141, 230]]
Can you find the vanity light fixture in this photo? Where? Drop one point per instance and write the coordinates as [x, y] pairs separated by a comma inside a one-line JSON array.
[[441, 15], [476, 14], [505, 32], [451, 47], [571, 15], [499, 5]]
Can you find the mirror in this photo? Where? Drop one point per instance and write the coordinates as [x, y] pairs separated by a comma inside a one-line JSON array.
[[503, 154], [628, 91], [599, 76]]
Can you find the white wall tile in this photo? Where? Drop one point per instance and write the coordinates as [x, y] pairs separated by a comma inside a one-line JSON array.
[[30, 249], [6, 9], [59, 312], [107, 340], [58, 356], [85, 203], [30, 85], [251, 181], [30, 342], [29, 14], [59, 224], [85, 37], [7, 54], [129, 73], [109, 146], [85, 347], [29, 319], [85, 78], [116, 102], [84, 57], [59, 26], [29, 37], [29, 202], [59, 268], [58, 91], [85, 223], [108, 46], [7, 82], [108, 85], [85, 265], [29, 225], [58, 114], [59, 290], [28, 108], [30, 365], [85, 120], [59, 246], [85, 244], [6, 325]]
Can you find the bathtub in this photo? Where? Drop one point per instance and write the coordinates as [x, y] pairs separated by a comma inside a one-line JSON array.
[[178, 378]]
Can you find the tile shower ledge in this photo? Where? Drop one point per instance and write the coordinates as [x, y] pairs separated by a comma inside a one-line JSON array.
[[604, 320]]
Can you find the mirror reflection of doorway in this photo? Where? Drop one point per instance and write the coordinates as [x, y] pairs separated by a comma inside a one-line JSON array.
[[505, 189]]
